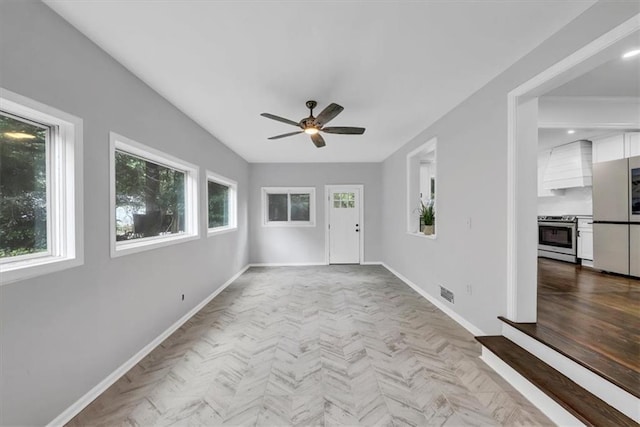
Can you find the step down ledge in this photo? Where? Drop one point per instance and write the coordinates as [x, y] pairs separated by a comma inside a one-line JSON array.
[[613, 395], [566, 404]]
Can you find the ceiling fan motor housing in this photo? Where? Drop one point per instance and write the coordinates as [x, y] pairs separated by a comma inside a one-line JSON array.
[[308, 122]]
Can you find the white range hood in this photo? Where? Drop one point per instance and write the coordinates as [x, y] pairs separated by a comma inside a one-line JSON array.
[[570, 165]]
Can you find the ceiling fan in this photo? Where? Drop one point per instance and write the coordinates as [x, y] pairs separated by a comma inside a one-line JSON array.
[[312, 126]]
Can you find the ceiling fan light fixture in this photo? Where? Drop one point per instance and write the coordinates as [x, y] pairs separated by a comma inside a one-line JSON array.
[[311, 131]]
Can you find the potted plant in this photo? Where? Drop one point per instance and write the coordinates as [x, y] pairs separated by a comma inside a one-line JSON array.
[[428, 216]]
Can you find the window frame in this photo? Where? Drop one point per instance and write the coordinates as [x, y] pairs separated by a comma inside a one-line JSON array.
[[412, 203], [233, 203], [289, 190], [64, 178], [192, 230]]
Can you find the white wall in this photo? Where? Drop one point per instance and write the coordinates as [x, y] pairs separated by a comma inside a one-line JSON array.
[[573, 201], [306, 244], [65, 332], [472, 173]]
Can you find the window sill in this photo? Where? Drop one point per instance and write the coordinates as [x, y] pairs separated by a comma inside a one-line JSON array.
[[426, 236], [220, 230], [146, 244], [15, 271]]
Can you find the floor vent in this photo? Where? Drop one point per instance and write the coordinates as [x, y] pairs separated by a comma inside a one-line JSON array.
[[446, 294]]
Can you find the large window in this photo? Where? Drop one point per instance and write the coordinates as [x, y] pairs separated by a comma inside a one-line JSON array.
[[23, 184], [421, 190], [289, 206], [221, 203], [154, 198], [40, 188]]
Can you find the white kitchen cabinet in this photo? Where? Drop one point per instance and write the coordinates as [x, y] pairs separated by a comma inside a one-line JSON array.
[[585, 238], [610, 148], [632, 144], [585, 245], [616, 147]]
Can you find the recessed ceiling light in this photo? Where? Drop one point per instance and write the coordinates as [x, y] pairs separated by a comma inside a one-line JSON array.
[[571, 131], [631, 53]]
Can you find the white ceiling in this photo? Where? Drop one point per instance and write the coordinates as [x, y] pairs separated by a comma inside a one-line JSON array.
[[395, 66], [549, 138], [617, 77]]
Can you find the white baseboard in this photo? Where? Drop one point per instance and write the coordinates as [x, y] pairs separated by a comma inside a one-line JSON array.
[[474, 330], [548, 406], [302, 264], [96, 391], [285, 264], [614, 396]]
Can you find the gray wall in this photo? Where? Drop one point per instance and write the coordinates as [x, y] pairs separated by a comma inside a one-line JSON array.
[[306, 244], [63, 333], [472, 173]]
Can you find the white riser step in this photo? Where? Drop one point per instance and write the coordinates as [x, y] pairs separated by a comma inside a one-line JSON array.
[[613, 395]]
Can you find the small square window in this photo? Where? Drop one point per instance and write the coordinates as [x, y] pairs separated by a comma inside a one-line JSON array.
[[289, 206], [278, 207], [221, 203], [300, 207]]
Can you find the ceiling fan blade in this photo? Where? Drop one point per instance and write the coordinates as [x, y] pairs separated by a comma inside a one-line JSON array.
[[280, 119], [318, 140], [284, 135], [328, 114], [345, 130]]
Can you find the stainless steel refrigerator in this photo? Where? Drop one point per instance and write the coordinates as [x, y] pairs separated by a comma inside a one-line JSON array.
[[616, 216]]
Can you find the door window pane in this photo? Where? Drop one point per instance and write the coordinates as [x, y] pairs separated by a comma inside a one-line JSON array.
[[149, 198], [218, 205], [278, 207], [300, 207], [23, 187]]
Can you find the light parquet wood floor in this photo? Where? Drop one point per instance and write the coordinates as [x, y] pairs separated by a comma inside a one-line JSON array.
[[326, 345]]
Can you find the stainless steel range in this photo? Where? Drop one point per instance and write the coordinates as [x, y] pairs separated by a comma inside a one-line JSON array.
[[557, 237]]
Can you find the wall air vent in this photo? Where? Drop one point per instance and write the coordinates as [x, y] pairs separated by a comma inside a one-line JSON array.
[[446, 294]]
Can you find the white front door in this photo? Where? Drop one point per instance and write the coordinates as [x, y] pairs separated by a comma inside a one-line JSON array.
[[344, 225]]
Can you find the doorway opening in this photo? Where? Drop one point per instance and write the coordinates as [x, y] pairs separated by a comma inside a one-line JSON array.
[[591, 312]]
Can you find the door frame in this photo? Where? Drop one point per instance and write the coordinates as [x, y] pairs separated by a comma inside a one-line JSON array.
[[327, 194], [521, 274]]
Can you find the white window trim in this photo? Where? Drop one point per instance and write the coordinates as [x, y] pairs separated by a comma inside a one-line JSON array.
[[64, 191], [412, 216], [289, 190], [233, 204], [191, 232]]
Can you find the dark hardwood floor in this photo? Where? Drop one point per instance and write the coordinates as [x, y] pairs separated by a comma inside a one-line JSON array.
[[588, 408], [592, 317]]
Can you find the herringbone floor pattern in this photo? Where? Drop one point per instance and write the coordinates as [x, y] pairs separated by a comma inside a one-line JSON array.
[[327, 345]]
